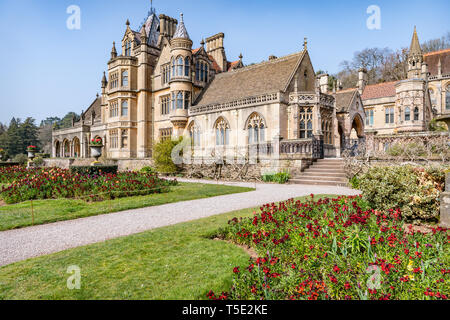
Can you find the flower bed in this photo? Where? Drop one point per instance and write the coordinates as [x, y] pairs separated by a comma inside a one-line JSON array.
[[46, 183], [337, 249]]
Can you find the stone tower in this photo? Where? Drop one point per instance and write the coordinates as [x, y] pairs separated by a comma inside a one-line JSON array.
[[181, 86], [415, 58]]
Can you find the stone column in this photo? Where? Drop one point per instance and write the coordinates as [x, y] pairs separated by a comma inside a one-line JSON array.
[[445, 203]]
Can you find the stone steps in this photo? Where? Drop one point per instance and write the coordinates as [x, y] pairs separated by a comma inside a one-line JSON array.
[[326, 172]]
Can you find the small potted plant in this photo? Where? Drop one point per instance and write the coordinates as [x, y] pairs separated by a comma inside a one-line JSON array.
[[31, 152], [96, 146]]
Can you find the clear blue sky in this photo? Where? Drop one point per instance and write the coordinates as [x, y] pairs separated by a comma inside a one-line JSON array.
[[49, 70]]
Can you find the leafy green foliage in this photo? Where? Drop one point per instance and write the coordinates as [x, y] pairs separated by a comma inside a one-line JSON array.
[[162, 155], [280, 177], [414, 190]]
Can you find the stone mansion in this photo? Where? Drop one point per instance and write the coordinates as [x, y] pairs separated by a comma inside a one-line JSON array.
[[161, 87]]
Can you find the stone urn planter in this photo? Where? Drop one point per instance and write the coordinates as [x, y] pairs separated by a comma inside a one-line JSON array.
[[31, 152], [96, 152]]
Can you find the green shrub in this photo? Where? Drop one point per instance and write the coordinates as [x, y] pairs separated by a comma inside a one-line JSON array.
[[354, 182], [21, 158], [147, 170], [162, 156], [414, 190], [281, 177], [38, 161], [94, 170]]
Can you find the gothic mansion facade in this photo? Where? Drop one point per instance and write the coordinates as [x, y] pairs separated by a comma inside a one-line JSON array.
[[160, 87]]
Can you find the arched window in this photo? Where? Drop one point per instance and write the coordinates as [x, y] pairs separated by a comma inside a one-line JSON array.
[[179, 66], [187, 100], [173, 68], [447, 98], [256, 129], [222, 132], [407, 114], [173, 101], [416, 114], [125, 78], [187, 67], [195, 134], [180, 100], [124, 112]]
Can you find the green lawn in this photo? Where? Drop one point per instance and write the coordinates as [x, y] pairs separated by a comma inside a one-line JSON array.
[[179, 262], [47, 211]]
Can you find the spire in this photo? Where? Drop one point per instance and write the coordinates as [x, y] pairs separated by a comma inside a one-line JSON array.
[[104, 81], [127, 23], [143, 35], [240, 57], [203, 43], [181, 32], [113, 51], [415, 44]]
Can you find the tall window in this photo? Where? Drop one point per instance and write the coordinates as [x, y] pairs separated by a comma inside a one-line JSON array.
[[124, 112], [416, 114], [165, 74], [179, 66], [165, 102], [195, 135], [180, 100], [114, 80], [173, 101], [114, 138], [306, 127], [389, 116], [187, 67], [114, 109], [187, 100], [370, 117], [407, 114], [326, 130], [128, 48], [222, 132], [256, 129], [447, 98], [197, 71], [124, 138], [125, 78], [432, 97]]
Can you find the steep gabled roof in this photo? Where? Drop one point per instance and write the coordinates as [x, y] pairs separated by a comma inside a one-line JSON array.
[[181, 32], [433, 58], [381, 90], [344, 99], [267, 77]]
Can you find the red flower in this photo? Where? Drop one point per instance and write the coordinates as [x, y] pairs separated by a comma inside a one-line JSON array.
[[236, 270]]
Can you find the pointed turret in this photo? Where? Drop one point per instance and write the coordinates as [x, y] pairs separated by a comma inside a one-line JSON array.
[[415, 57], [104, 81], [181, 32], [415, 48], [143, 36]]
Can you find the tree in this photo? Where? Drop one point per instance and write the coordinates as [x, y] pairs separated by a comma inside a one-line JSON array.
[[28, 132], [437, 44]]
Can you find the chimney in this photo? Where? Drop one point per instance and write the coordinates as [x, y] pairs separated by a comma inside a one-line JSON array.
[[214, 47], [362, 80], [272, 57], [163, 25], [323, 82]]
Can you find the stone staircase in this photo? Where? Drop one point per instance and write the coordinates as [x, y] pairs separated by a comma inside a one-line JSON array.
[[325, 172]]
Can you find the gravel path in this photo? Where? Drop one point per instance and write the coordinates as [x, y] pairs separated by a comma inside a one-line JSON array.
[[22, 244]]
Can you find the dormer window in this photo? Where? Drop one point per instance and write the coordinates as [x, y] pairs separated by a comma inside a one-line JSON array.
[[201, 71], [128, 48]]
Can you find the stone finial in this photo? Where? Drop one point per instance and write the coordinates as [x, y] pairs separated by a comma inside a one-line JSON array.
[[143, 35], [202, 43], [127, 23], [104, 81], [241, 56], [305, 44], [113, 51]]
